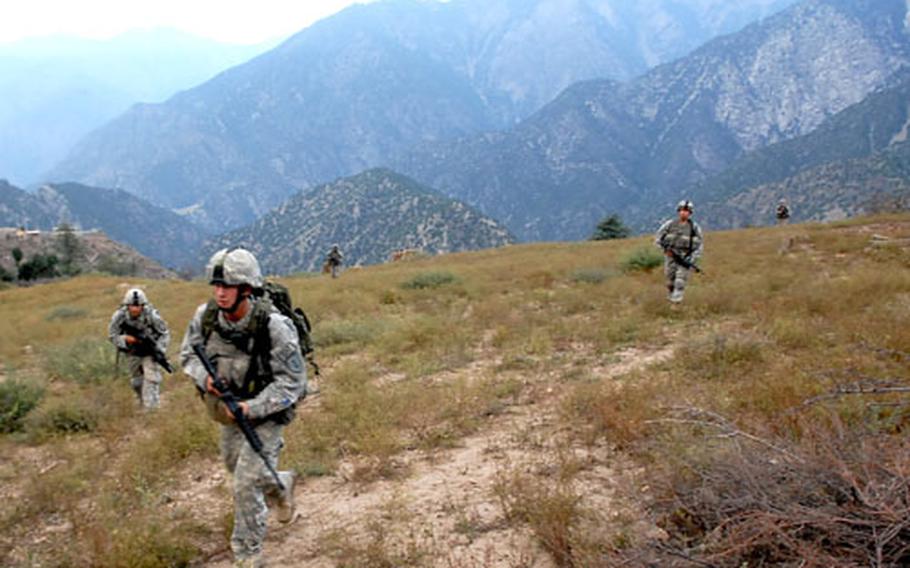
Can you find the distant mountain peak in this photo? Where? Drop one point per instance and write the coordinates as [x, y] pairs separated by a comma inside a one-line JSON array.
[[371, 215], [355, 90]]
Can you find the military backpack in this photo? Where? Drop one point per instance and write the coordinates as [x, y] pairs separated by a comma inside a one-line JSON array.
[[256, 341]]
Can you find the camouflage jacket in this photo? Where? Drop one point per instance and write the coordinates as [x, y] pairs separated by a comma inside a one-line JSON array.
[[334, 257], [232, 358], [685, 239], [149, 323]]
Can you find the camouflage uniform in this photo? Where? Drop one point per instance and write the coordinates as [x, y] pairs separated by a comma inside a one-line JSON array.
[[229, 349], [782, 212], [687, 241], [334, 260], [144, 372]]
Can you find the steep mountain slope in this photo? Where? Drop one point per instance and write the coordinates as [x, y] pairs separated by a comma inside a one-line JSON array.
[[55, 90], [880, 120], [153, 231], [831, 191], [371, 82], [369, 215], [603, 146]]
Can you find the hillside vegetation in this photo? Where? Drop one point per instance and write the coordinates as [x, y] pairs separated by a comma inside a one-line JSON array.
[[531, 405], [369, 216]]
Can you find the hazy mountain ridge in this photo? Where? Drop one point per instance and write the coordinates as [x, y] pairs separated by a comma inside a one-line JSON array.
[[356, 89], [604, 146], [153, 231], [55, 90], [370, 216], [863, 130], [828, 192]]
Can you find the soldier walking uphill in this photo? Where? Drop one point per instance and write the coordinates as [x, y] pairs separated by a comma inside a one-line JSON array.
[[137, 330], [256, 354], [333, 260], [782, 212], [682, 242]]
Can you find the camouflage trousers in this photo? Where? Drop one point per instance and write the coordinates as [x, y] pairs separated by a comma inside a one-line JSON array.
[[677, 276], [254, 486], [145, 380]]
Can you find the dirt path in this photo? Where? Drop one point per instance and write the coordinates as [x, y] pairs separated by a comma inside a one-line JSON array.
[[446, 511]]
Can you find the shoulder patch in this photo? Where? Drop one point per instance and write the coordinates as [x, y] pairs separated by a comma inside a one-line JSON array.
[[295, 362]]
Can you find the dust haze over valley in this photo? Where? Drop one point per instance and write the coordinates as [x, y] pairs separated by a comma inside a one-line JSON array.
[[497, 388]]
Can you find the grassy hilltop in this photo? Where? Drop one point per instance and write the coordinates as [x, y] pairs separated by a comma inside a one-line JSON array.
[[535, 405]]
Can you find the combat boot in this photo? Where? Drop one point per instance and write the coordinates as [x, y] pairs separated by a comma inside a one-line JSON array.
[[286, 508]]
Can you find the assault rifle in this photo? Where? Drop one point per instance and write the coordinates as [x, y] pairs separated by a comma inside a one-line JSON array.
[[146, 346], [231, 402], [687, 264]]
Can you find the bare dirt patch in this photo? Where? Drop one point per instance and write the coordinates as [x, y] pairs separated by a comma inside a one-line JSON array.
[[446, 511]]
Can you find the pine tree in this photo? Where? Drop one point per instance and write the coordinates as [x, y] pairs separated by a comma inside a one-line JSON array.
[[609, 228], [70, 250]]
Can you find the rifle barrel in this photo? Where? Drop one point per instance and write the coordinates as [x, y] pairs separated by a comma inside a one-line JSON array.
[[229, 400]]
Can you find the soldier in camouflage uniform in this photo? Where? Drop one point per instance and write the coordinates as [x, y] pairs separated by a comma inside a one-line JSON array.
[[334, 259], [683, 237], [256, 351], [782, 212], [137, 317]]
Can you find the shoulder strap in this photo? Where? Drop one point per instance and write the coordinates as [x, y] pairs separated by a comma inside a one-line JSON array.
[[209, 319], [260, 354], [691, 237]]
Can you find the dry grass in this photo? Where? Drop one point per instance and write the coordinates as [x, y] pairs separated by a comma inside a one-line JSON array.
[[419, 367]]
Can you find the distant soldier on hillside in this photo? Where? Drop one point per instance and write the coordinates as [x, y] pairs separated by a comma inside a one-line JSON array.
[[333, 260], [783, 212], [137, 330], [244, 357], [682, 241]]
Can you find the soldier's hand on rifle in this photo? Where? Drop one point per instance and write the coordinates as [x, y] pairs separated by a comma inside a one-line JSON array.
[[210, 386], [130, 340], [244, 408], [668, 253]]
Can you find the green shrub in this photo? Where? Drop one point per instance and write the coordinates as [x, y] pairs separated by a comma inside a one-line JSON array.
[[39, 266], [610, 228], [66, 416], [341, 332], [84, 361], [148, 542], [17, 399], [65, 313], [591, 275], [425, 280], [642, 259]]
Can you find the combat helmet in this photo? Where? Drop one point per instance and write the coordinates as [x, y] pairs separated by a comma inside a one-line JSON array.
[[135, 297], [234, 267], [687, 205]]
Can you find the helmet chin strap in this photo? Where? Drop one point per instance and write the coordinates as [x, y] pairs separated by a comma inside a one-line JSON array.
[[237, 301]]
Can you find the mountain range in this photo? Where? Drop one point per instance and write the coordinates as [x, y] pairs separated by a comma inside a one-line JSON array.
[[831, 191], [357, 89], [604, 146], [370, 215], [862, 130], [155, 232], [55, 90]]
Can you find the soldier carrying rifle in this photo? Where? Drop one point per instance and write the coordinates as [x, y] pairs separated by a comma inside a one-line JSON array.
[[682, 242], [244, 356], [137, 330]]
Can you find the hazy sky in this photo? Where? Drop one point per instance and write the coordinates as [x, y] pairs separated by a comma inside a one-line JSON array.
[[235, 21]]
